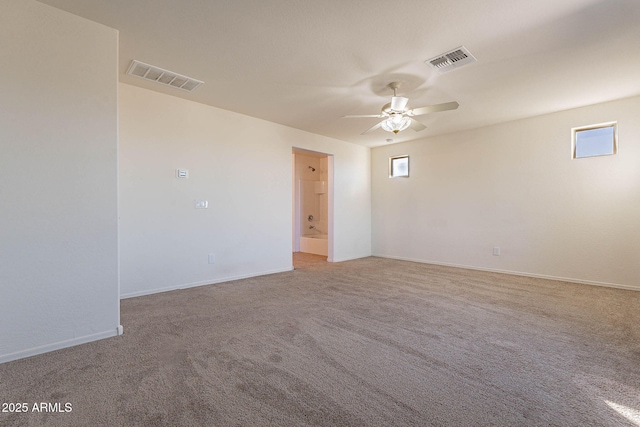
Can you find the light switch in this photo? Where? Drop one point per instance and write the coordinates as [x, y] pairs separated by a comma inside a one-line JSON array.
[[182, 173], [202, 204]]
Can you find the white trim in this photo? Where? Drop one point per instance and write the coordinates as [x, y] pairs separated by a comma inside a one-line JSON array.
[[516, 273], [202, 283], [295, 194], [330, 207], [118, 234], [57, 346], [352, 258]]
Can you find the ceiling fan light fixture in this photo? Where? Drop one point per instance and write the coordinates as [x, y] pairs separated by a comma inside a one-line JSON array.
[[396, 117], [396, 123]]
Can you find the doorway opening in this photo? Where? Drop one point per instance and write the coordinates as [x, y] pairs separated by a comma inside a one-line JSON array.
[[312, 208]]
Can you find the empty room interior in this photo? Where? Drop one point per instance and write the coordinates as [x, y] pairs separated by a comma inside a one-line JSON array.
[[320, 213]]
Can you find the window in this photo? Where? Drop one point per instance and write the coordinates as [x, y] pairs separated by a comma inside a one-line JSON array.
[[594, 140], [398, 166]]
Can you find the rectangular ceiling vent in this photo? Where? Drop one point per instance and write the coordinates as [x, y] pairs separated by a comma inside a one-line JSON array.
[[451, 60], [165, 77]]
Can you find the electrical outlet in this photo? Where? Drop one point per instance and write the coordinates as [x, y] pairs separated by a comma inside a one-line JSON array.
[[212, 259], [496, 250]]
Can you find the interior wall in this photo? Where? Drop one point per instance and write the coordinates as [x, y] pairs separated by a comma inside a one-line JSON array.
[[242, 167], [58, 180], [515, 186]]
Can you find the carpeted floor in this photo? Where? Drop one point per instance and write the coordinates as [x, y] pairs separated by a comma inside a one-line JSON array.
[[370, 342]]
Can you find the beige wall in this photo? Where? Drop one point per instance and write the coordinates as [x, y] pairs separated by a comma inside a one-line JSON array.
[[58, 180], [516, 186], [243, 167], [512, 185]]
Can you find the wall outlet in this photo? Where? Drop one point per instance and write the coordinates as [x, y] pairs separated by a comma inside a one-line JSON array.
[[202, 204], [182, 173], [212, 259], [496, 250]]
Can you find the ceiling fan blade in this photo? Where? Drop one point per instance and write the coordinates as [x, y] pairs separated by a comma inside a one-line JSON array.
[[371, 129], [433, 108], [416, 125], [357, 116], [399, 103]]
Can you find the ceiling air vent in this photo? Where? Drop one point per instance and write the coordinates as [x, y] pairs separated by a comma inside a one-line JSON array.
[[165, 77], [451, 60]]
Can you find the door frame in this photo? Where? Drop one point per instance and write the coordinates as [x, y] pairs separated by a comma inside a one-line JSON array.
[[296, 199]]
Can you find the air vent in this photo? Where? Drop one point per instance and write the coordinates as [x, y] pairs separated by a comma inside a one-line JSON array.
[[451, 60], [165, 77]]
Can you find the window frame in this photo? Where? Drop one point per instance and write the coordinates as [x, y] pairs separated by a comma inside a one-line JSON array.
[[576, 130], [391, 160]]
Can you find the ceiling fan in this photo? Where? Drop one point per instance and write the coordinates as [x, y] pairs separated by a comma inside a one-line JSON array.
[[398, 118]]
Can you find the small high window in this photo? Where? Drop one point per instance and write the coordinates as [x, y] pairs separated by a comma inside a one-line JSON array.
[[594, 140], [398, 166]]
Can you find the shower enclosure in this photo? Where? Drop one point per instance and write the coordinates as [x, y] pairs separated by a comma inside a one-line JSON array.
[[313, 221]]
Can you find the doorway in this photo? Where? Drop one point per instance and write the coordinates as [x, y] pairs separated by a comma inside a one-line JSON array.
[[312, 209]]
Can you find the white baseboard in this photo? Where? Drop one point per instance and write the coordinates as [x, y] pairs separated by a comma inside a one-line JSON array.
[[202, 283], [516, 273], [59, 345], [349, 259]]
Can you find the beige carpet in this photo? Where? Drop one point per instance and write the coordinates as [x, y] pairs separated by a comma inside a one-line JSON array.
[[371, 342]]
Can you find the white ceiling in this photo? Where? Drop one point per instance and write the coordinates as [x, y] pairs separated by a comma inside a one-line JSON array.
[[305, 64]]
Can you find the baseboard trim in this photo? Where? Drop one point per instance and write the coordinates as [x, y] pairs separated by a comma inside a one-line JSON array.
[[516, 273], [59, 345], [202, 283], [349, 259]]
